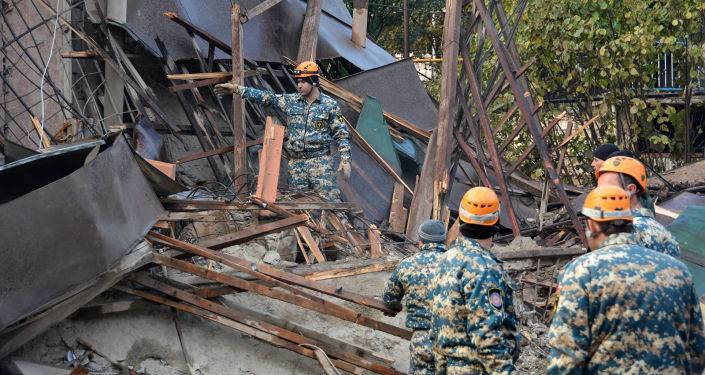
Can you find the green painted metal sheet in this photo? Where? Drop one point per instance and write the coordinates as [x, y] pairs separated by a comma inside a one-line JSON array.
[[688, 230], [373, 129]]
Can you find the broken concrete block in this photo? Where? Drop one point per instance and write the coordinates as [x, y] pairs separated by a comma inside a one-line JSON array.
[[272, 257]]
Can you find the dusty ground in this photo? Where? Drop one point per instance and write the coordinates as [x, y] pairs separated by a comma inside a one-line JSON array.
[[146, 338]]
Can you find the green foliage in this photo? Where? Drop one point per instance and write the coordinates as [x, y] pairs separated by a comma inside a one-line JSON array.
[[608, 49]]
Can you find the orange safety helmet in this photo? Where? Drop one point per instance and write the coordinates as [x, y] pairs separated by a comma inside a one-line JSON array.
[[607, 203], [306, 69], [479, 206], [625, 165]]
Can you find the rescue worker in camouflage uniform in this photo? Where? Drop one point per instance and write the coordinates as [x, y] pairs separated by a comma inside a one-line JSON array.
[[473, 323], [623, 308], [630, 174], [313, 120], [412, 278]]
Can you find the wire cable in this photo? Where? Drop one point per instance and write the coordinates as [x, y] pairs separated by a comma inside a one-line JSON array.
[[46, 67]]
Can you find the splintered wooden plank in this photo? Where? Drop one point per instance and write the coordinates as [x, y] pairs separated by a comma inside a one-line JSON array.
[[320, 305], [270, 160], [302, 247], [355, 241], [41, 132], [261, 335], [251, 233], [306, 235], [242, 264], [353, 271], [397, 218], [261, 8], [373, 236], [309, 31]]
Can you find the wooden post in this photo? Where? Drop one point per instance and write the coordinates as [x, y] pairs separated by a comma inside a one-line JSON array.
[[449, 69], [421, 205], [406, 29], [524, 102], [240, 155], [491, 146], [397, 220], [309, 31], [359, 23]]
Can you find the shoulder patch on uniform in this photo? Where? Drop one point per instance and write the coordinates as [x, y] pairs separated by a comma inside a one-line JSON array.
[[494, 295], [340, 117]]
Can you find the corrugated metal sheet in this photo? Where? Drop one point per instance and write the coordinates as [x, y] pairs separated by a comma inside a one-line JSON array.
[[399, 89], [72, 229], [688, 230], [267, 37]]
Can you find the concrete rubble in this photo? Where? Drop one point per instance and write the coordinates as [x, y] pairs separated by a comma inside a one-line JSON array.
[[140, 236]]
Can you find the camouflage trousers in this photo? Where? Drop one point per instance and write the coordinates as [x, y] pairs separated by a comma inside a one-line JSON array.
[[421, 349], [315, 174]]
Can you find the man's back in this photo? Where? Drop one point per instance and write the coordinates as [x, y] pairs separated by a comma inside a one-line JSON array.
[[626, 308], [412, 277], [472, 313]]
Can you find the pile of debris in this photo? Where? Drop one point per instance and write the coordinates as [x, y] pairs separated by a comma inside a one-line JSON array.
[[158, 235]]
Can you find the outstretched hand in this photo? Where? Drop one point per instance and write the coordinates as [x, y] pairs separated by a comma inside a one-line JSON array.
[[224, 88]]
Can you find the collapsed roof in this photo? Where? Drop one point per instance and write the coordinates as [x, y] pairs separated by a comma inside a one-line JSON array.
[[267, 37]]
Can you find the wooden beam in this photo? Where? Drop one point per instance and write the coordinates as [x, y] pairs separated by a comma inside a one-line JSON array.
[[356, 103], [421, 204], [270, 160], [531, 147], [522, 96], [352, 271], [200, 32], [261, 8], [250, 233], [240, 172], [453, 232], [217, 151], [196, 84], [395, 122], [544, 252], [79, 54], [510, 138], [397, 220], [489, 139], [307, 237], [309, 32], [359, 23], [268, 270], [444, 130], [472, 158], [580, 129], [46, 142], [321, 306], [373, 236], [302, 248], [261, 335], [376, 156]]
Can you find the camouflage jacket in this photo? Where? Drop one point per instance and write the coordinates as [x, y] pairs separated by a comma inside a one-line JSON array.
[[652, 235], [310, 127], [412, 278], [473, 323], [624, 308]]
